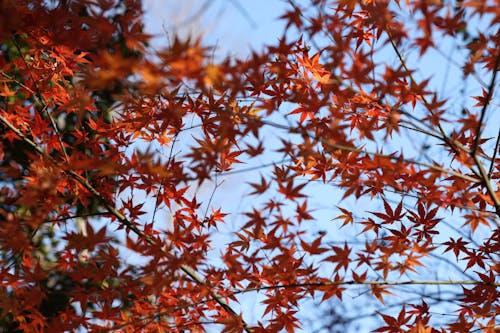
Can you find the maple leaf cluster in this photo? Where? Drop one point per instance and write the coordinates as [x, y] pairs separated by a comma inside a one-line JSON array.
[[107, 145]]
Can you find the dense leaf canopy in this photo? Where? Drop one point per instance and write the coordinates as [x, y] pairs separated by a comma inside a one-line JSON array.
[[108, 147]]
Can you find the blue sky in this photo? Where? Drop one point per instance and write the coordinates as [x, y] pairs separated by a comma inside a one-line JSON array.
[[235, 26]]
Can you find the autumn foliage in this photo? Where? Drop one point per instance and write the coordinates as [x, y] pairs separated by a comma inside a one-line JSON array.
[[385, 110]]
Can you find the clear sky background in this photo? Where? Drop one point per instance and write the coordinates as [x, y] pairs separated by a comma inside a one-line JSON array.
[[234, 26]]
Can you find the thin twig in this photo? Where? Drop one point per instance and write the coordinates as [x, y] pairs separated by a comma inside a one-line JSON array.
[[265, 165], [489, 94], [367, 283], [162, 183], [244, 13], [495, 152], [216, 186], [60, 219], [485, 175]]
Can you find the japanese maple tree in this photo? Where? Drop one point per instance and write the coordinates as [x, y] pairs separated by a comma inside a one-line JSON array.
[[384, 112]]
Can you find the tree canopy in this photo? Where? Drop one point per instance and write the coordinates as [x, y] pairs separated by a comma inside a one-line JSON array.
[[357, 158]]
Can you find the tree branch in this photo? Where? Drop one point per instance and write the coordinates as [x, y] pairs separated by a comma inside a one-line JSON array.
[[367, 283], [489, 94], [495, 152]]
